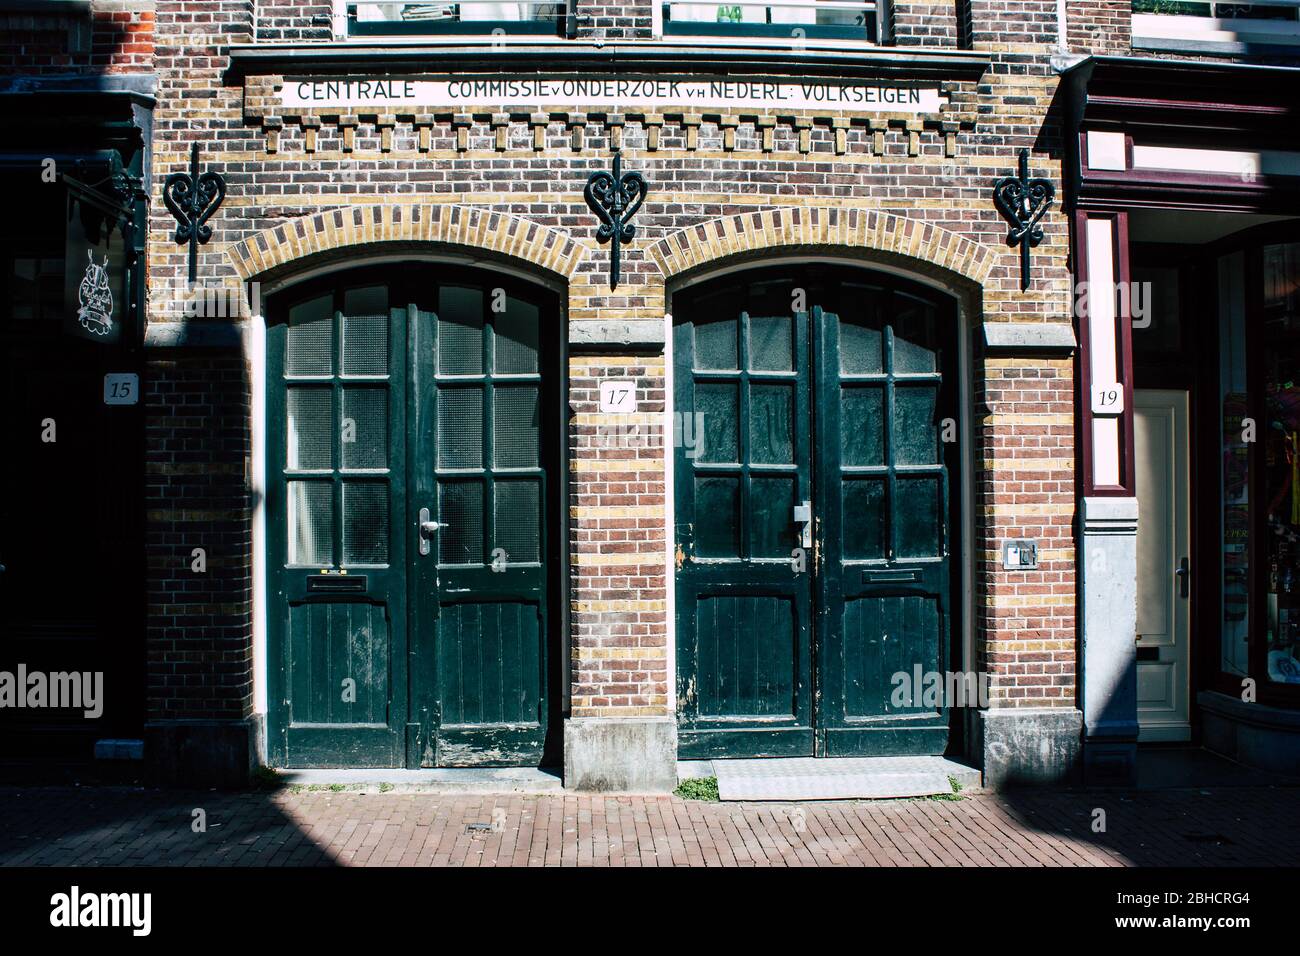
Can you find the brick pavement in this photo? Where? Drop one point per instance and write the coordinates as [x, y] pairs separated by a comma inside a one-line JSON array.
[[121, 826]]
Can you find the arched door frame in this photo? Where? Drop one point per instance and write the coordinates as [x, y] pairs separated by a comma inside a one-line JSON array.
[[966, 296], [298, 272]]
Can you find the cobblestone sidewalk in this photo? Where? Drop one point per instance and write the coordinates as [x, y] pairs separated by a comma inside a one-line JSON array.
[[120, 826]]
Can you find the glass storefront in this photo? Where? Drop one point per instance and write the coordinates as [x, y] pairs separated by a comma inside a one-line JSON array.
[[1280, 328], [1259, 451]]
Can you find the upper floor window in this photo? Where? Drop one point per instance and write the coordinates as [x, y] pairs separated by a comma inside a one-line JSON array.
[[424, 19], [1209, 27], [780, 19]]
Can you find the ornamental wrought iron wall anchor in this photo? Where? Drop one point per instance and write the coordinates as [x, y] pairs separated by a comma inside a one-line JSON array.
[[1023, 202], [615, 198], [192, 198]]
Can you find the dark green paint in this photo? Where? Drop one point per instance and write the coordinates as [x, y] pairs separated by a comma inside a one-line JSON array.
[[840, 405], [450, 393]]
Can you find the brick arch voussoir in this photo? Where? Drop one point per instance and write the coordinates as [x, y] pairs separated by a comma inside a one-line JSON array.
[[931, 247], [452, 225]]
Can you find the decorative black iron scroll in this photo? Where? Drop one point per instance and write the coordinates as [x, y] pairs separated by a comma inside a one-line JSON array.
[[192, 198], [1023, 202], [615, 198]]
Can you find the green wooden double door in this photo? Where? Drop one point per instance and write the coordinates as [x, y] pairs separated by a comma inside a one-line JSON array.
[[815, 522], [413, 445]]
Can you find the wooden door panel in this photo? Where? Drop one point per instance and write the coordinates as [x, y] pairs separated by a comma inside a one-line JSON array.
[[747, 659], [483, 391], [887, 392], [744, 583], [333, 643], [489, 663], [336, 440]]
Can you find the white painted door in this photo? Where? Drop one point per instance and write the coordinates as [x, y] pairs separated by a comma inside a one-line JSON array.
[[1163, 571]]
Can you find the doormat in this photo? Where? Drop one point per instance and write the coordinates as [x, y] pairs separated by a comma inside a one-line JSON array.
[[840, 778]]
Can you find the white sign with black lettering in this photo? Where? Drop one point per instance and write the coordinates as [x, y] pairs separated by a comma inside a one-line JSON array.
[[1108, 399], [121, 388], [618, 398], [626, 93]]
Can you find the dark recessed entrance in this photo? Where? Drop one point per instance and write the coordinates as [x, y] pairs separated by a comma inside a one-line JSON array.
[[815, 523], [414, 441]]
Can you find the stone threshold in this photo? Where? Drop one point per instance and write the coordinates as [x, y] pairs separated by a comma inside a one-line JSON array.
[[526, 780]]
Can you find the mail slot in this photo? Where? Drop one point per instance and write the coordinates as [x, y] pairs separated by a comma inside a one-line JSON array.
[[892, 576], [337, 584]]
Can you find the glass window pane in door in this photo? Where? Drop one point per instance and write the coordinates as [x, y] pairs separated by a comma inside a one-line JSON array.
[[365, 522], [918, 515], [460, 511], [864, 518], [460, 331], [718, 405], [861, 342], [364, 428], [311, 523], [771, 343], [715, 335], [516, 336], [310, 346], [516, 426], [771, 424], [916, 431], [365, 331], [771, 513], [717, 516], [518, 518], [309, 428], [460, 427], [915, 347], [862, 425]]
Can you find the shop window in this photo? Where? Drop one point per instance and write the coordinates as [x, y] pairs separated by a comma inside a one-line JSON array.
[[1280, 314], [1215, 27], [1234, 477], [424, 19], [796, 19], [1258, 409]]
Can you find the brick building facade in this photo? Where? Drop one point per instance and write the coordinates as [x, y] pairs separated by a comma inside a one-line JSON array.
[[355, 148]]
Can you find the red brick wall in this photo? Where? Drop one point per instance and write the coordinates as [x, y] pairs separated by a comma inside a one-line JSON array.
[[614, 20], [116, 36], [1003, 24], [293, 20], [618, 635], [199, 638], [1026, 490], [700, 171], [1100, 26], [926, 24]]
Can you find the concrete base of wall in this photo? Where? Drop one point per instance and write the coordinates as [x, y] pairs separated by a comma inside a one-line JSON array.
[[1267, 738], [203, 753], [620, 753], [1028, 747]]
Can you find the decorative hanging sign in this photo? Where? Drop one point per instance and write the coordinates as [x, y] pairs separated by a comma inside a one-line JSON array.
[[615, 198], [1023, 202], [192, 198], [95, 265]]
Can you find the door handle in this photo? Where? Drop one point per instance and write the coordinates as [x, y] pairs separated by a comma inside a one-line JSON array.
[[427, 527], [1184, 573], [803, 515]]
